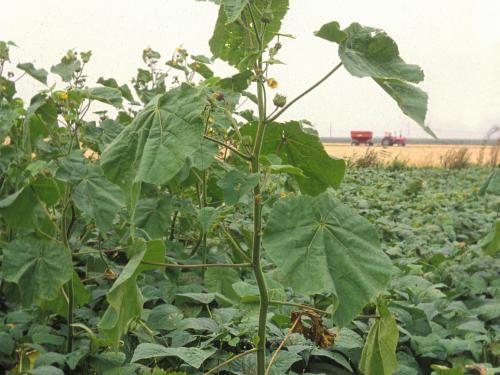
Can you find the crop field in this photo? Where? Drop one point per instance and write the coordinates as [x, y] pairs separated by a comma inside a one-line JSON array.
[[419, 155]]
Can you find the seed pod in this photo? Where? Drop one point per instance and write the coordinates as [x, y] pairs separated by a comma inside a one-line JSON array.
[[267, 16], [247, 140], [279, 100]]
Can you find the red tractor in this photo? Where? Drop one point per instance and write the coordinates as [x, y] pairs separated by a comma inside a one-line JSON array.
[[361, 137], [391, 140]]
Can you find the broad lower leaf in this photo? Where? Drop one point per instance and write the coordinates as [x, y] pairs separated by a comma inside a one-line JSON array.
[[124, 298], [231, 42], [38, 74], [39, 267], [320, 245], [379, 353], [155, 146], [192, 356]]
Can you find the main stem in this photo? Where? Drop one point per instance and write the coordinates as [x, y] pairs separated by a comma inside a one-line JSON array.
[[257, 229]]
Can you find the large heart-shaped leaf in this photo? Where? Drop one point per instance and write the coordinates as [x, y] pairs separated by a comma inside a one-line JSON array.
[[370, 52], [155, 146], [320, 245], [39, 267]]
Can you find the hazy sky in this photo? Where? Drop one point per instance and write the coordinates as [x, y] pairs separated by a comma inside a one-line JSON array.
[[457, 43]]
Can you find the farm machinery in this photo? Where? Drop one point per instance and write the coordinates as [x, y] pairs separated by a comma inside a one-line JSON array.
[[391, 140], [361, 137]]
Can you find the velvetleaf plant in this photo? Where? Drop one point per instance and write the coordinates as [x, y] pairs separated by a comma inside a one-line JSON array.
[[170, 178]]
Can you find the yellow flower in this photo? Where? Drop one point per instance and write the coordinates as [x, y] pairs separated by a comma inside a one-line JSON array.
[[62, 95], [272, 83], [283, 195]]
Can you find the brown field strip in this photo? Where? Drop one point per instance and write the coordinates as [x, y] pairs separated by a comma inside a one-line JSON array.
[[420, 155]]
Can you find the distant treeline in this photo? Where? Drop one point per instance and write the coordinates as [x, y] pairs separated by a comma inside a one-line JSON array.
[[427, 141]]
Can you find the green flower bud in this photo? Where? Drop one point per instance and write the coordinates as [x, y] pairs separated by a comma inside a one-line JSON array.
[[267, 16], [279, 100]]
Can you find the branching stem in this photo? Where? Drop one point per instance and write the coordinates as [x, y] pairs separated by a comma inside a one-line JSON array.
[[275, 117]]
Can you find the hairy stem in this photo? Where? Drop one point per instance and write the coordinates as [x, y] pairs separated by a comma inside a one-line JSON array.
[[257, 228]]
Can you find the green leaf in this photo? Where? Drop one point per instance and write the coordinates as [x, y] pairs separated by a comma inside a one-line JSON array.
[[155, 146], [230, 41], [370, 52], [320, 245], [491, 243], [236, 184], [38, 74], [331, 32], [65, 70], [98, 198], [304, 151], [411, 100], [7, 344], [443, 370], [379, 353], [221, 280], [165, 317], [8, 118], [59, 305], [39, 267], [108, 95], [124, 89], [192, 356], [124, 298], [93, 193], [47, 370], [206, 217], [18, 208], [153, 215], [233, 9], [204, 156]]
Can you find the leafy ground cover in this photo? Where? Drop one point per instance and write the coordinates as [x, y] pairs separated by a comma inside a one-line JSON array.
[[444, 294], [179, 227]]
